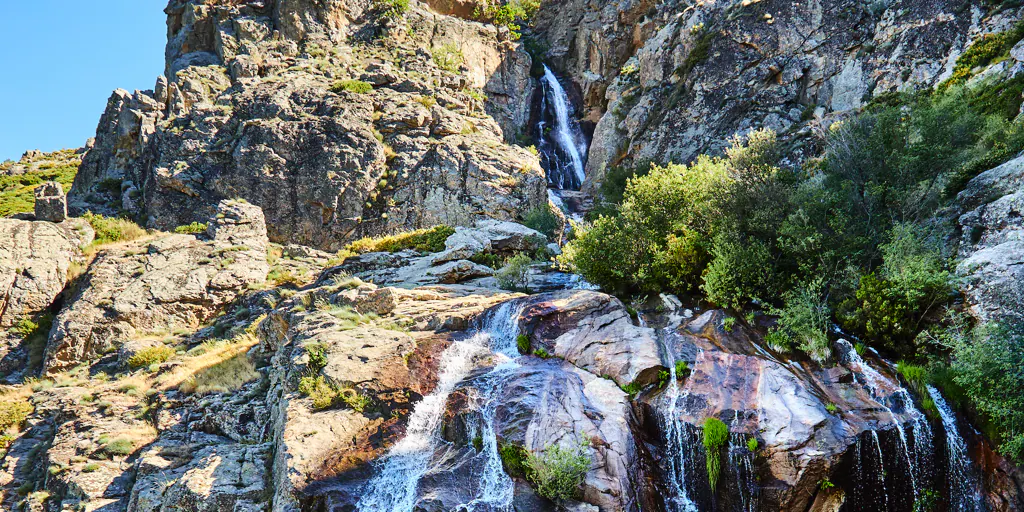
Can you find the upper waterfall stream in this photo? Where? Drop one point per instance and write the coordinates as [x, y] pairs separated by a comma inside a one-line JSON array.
[[562, 143]]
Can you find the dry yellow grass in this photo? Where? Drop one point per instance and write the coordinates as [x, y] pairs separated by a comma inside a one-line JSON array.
[[216, 353]]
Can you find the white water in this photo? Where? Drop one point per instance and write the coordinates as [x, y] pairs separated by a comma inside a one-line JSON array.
[[964, 486], [394, 487], [677, 443], [566, 134], [919, 423], [742, 461]]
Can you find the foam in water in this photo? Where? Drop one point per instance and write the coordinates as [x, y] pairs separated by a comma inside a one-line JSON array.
[[964, 485], [394, 487], [566, 134]]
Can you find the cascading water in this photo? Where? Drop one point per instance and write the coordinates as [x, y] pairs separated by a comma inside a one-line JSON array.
[[679, 439], [562, 144], [916, 452], [741, 459], [394, 487], [964, 484]]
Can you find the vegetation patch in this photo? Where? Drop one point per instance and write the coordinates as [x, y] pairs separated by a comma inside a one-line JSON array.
[[515, 275], [325, 394], [543, 219], [448, 57], [13, 415], [110, 229], [194, 228], [716, 433], [423, 240], [354, 86], [17, 191], [559, 472], [150, 356], [391, 9], [223, 377]]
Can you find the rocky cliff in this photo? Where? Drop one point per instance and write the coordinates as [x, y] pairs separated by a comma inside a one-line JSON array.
[[223, 359]]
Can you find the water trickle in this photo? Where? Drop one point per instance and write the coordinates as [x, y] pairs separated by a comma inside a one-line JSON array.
[[964, 485], [679, 439], [741, 460], [398, 476], [916, 452], [562, 143]]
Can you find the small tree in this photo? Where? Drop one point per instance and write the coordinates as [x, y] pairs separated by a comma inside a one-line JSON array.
[[514, 276]]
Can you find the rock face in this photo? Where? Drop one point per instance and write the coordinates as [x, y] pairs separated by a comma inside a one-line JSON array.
[[158, 285], [666, 81], [991, 242], [51, 204], [490, 238], [35, 259], [329, 137]]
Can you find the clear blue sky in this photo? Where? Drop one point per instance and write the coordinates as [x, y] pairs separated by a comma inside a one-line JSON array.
[[61, 59]]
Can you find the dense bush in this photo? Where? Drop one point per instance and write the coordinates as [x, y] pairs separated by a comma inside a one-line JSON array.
[[13, 415], [515, 275], [559, 472], [990, 367], [448, 57], [109, 229], [511, 14], [150, 355], [355, 86], [543, 219]]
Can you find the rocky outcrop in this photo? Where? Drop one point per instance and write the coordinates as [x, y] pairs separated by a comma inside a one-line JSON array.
[[158, 285], [51, 205], [669, 81], [492, 239], [991, 240], [35, 262], [330, 138]]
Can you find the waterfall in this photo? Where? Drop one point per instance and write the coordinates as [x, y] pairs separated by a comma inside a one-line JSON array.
[[398, 475], [915, 453], [742, 461], [964, 485], [563, 145], [679, 440]]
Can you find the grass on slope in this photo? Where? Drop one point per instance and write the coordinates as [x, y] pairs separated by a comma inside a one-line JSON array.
[[17, 192]]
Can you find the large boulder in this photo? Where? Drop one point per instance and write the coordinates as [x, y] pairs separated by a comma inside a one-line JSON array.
[[35, 261], [51, 205], [160, 284]]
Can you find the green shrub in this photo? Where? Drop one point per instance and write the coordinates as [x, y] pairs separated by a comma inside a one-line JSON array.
[[448, 57], [523, 343], [121, 446], [317, 356], [325, 394], [513, 458], [682, 369], [752, 444], [986, 50], [804, 322], [541, 353], [989, 365], [559, 472], [831, 408], [543, 219], [391, 9], [354, 86], [13, 415], [423, 240], [716, 433], [109, 230], [515, 275], [90, 467], [191, 229], [150, 355]]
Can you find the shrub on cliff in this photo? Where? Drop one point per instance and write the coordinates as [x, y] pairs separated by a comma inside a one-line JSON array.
[[110, 229], [989, 364], [559, 472]]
